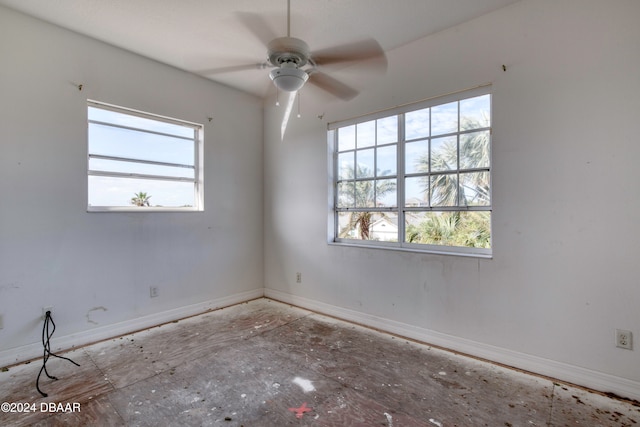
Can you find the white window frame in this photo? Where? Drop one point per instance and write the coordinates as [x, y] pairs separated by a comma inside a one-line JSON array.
[[197, 180], [399, 111]]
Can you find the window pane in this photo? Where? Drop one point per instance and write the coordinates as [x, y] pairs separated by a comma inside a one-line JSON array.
[[416, 124], [387, 162], [346, 194], [366, 163], [347, 138], [474, 150], [416, 157], [365, 194], [384, 227], [475, 189], [366, 134], [387, 130], [433, 228], [474, 112], [112, 141], [444, 154], [444, 118], [416, 191], [348, 228], [345, 165], [139, 168], [463, 228], [386, 194], [368, 226], [113, 191], [128, 120], [444, 190]]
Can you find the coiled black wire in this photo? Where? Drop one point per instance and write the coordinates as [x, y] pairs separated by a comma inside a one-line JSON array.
[[47, 350]]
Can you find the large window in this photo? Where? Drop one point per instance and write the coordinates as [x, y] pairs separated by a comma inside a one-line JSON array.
[[417, 177], [141, 162]]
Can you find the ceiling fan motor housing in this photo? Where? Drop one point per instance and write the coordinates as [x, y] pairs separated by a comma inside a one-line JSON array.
[[289, 55], [288, 49]]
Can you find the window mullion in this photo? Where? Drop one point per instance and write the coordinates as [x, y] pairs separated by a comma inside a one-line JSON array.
[[375, 165], [140, 176], [146, 162], [135, 129], [400, 176], [429, 154], [458, 195], [336, 175]]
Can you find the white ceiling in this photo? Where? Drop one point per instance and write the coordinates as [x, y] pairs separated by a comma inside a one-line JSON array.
[[200, 35]]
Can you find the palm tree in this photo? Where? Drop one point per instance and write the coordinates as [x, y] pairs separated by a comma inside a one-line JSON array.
[[471, 229], [446, 188], [140, 199], [364, 194]]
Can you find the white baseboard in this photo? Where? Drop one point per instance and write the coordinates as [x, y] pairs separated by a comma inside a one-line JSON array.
[[66, 342], [550, 368]]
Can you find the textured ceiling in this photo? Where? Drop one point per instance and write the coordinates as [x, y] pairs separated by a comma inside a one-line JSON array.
[[201, 35]]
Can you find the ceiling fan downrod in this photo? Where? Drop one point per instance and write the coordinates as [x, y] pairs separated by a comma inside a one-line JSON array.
[[288, 18]]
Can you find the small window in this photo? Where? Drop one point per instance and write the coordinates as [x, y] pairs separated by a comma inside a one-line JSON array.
[[417, 177], [141, 162]]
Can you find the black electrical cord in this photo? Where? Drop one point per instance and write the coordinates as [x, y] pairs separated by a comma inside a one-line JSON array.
[[47, 350]]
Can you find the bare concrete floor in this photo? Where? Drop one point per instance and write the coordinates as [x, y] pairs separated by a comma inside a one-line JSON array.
[[267, 364]]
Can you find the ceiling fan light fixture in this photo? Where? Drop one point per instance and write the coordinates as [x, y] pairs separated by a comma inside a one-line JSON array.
[[288, 79]]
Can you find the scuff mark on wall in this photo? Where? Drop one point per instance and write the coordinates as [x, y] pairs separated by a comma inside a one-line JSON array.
[[88, 315], [9, 286]]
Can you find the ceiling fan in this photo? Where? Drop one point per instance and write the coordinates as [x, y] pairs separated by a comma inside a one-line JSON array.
[[294, 64]]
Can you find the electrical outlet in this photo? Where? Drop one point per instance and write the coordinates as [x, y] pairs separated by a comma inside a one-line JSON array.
[[298, 277], [624, 339], [45, 309], [153, 291]]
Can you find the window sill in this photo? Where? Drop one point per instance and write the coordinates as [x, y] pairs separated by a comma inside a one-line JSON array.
[[413, 249], [92, 209]]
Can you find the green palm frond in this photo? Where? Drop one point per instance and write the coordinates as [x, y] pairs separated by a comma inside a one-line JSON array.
[[141, 199]]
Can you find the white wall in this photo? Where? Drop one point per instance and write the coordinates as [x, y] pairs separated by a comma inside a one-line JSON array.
[[95, 269], [565, 193]]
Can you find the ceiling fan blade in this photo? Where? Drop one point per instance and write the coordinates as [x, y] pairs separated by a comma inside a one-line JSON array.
[[358, 51], [258, 26], [232, 68], [331, 85]]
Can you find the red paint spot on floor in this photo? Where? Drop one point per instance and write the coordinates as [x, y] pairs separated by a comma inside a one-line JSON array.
[[301, 410]]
